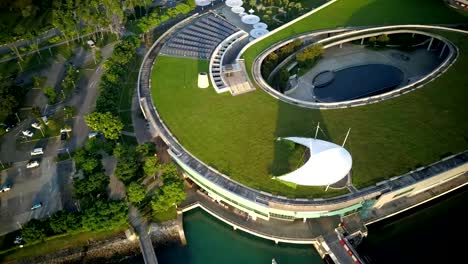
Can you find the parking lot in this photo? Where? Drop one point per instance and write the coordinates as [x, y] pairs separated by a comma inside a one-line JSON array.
[[49, 184]]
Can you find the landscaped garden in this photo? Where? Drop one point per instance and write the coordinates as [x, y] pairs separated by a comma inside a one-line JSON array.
[[237, 134]]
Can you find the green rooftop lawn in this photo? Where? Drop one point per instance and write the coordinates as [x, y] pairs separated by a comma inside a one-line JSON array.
[[237, 134], [364, 13]]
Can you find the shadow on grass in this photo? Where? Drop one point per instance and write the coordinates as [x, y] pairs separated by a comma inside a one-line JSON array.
[[383, 12]]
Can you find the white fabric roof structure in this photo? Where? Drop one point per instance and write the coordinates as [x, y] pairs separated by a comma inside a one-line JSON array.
[[258, 32], [250, 19], [260, 25], [234, 3], [202, 2], [237, 9], [328, 163]]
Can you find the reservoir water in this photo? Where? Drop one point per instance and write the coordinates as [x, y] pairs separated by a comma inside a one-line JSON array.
[[210, 241], [433, 233]]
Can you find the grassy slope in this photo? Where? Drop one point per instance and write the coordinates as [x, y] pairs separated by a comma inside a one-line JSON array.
[[236, 134], [57, 243]]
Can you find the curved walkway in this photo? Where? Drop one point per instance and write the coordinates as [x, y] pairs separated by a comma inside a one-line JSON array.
[[251, 195], [346, 37]]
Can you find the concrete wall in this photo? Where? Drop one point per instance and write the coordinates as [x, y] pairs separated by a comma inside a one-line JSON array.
[[256, 209], [417, 187], [352, 34]]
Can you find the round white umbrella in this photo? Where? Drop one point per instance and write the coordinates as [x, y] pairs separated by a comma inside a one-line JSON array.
[[202, 2], [250, 19], [260, 25], [234, 3], [258, 32], [238, 9]]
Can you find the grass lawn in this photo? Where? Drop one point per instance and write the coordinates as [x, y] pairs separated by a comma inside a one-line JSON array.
[[237, 135], [55, 244], [364, 12]]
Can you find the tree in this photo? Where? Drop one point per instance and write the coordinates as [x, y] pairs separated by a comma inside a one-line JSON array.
[[50, 93], [383, 39], [108, 124], [136, 193], [37, 80], [127, 170], [146, 149], [105, 215], [283, 79], [69, 111], [80, 157], [169, 195], [120, 151], [169, 173], [91, 186], [309, 55], [10, 95], [63, 222], [372, 41], [150, 165], [90, 164], [33, 231]]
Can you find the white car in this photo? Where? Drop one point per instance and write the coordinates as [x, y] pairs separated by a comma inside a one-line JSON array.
[[37, 151], [67, 129], [36, 125], [27, 133], [45, 120], [36, 206], [32, 164], [5, 188], [92, 134]]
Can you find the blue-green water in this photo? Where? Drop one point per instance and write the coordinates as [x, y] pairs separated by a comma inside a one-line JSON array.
[[433, 233], [210, 241]]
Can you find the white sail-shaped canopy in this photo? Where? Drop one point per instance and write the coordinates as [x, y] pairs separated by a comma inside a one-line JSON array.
[[328, 163]]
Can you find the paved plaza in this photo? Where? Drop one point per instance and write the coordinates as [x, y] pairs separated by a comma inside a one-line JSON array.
[[420, 63]]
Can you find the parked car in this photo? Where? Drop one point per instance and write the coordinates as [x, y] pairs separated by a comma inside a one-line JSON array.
[[27, 133], [32, 164], [67, 129], [36, 206], [5, 188], [36, 125], [92, 134], [45, 120], [37, 151], [18, 240], [63, 135]]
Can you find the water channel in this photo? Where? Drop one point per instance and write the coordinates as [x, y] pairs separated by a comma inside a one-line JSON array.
[[210, 241], [433, 233]]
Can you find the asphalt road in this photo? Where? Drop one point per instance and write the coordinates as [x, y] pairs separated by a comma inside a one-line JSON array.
[[43, 184], [51, 182]]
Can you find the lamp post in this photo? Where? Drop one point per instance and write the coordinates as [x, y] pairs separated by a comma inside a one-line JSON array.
[[19, 120], [68, 153]]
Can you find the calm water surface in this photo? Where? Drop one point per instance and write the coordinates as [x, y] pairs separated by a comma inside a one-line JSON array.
[[210, 241], [435, 233]]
